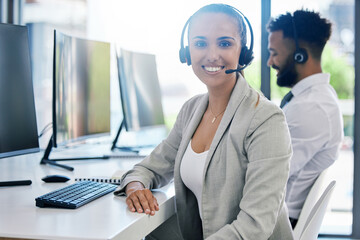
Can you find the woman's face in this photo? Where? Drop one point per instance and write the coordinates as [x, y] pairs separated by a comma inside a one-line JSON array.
[[215, 46]]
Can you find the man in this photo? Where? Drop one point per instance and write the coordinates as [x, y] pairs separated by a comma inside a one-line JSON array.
[[296, 43]]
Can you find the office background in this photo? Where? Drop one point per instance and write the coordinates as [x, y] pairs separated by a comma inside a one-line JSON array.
[[155, 27]]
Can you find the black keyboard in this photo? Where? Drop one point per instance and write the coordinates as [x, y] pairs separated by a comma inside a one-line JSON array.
[[75, 195]]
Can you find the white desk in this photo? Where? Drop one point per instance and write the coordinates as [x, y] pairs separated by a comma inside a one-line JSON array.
[[105, 218]]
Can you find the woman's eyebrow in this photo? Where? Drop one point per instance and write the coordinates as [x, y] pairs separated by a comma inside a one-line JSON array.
[[220, 38], [226, 37], [199, 37]]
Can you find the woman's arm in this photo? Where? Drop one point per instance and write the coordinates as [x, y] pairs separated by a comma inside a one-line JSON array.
[[154, 171]]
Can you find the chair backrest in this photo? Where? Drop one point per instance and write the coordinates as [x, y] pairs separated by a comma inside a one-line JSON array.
[[316, 216], [312, 197]]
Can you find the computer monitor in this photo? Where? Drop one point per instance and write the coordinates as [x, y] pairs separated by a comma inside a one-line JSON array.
[[140, 91], [81, 91], [18, 127]]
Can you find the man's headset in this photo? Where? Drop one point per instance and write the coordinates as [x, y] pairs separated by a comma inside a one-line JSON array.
[[300, 54], [246, 55]]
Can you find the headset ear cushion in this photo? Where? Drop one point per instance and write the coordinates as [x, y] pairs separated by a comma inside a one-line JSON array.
[[184, 55], [300, 55], [246, 56], [187, 55]]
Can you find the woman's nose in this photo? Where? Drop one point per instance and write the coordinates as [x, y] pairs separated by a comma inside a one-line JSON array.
[[213, 54]]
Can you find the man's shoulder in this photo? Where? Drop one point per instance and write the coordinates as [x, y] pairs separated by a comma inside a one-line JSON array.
[[321, 95]]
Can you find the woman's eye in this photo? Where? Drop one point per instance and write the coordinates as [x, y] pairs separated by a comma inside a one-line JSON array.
[[224, 44], [200, 44]]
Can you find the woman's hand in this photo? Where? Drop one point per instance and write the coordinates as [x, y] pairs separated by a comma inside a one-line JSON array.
[[140, 199]]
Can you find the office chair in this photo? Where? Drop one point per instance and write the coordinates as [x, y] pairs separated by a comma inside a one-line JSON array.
[[312, 197], [313, 223]]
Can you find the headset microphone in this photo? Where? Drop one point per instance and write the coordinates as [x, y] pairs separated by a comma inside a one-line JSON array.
[[231, 71], [235, 70]]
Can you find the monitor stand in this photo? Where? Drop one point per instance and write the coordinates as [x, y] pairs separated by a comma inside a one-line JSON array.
[[126, 149], [45, 159]]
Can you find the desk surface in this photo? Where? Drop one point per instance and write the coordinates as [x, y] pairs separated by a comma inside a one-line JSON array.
[[105, 218]]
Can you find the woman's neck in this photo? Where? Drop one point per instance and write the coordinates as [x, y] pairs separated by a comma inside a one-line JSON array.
[[219, 98]]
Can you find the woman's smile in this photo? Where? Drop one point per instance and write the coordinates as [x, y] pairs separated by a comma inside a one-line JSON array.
[[213, 69]]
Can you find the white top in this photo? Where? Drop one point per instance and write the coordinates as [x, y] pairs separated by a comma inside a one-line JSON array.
[[316, 129], [192, 171]]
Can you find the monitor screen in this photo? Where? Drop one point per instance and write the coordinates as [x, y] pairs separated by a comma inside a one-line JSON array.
[[140, 90], [81, 89], [18, 129]]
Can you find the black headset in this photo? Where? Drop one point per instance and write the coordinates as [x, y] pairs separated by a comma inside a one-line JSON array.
[[246, 55], [300, 54]]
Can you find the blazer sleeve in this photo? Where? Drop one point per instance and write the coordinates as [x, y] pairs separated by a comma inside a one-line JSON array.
[[267, 146], [157, 169]]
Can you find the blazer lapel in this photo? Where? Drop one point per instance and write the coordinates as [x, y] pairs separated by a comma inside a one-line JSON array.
[[193, 124], [237, 96]]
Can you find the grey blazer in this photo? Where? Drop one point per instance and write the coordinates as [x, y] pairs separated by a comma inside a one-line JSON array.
[[245, 175]]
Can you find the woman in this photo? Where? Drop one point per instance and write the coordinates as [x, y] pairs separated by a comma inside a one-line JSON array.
[[229, 149]]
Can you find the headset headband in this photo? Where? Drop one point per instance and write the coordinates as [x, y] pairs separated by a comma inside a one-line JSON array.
[[300, 54], [250, 49]]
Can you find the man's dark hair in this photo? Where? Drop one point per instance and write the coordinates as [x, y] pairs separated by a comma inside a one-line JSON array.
[[310, 28]]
